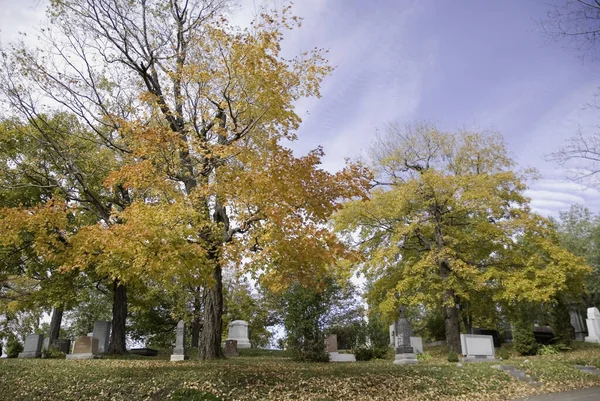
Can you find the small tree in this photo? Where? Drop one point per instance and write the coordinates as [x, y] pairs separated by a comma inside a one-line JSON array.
[[304, 322], [524, 339]]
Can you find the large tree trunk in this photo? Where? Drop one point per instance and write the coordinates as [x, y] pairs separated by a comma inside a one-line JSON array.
[[55, 321], [197, 319], [210, 337], [451, 314], [451, 322], [119, 316]]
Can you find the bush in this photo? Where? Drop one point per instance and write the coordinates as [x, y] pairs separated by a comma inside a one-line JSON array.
[[425, 356], [364, 354], [53, 353], [548, 350], [524, 339], [503, 353], [452, 356], [13, 347], [380, 352]]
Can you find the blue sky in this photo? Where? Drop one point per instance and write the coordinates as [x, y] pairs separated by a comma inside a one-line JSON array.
[[462, 63]]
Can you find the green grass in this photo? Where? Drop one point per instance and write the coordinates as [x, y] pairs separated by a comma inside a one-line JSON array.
[[272, 375]]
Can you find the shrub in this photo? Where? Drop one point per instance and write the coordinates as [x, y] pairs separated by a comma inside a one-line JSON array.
[[425, 356], [53, 353], [363, 354], [503, 353], [452, 356], [548, 350], [380, 352], [524, 339], [13, 347]]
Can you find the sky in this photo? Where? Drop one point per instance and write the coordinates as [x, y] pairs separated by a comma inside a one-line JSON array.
[[477, 64]]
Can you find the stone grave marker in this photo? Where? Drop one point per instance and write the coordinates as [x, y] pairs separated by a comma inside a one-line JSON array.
[[593, 325], [32, 347], [489, 332], [331, 343], [179, 352], [477, 347], [405, 354], [332, 350], [231, 348], [238, 330], [63, 345], [102, 333], [84, 347], [578, 325], [417, 344]]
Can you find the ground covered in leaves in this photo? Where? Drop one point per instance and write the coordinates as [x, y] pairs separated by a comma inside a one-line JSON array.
[[273, 376]]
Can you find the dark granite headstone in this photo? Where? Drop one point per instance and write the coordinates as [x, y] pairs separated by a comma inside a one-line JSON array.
[[231, 348], [488, 332], [143, 351]]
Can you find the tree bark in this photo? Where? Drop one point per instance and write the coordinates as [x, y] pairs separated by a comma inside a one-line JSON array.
[[210, 337], [119, 316], [197, 319], [55, 321], [451, 322]]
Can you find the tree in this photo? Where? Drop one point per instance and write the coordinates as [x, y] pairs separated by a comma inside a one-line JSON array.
[[449, 225], [577, 22], [192, 111], [579, 231]]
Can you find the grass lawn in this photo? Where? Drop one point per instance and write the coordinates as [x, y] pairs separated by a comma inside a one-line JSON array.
[[257, 375]]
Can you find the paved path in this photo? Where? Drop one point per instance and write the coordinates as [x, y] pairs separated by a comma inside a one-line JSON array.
[[587, 394]]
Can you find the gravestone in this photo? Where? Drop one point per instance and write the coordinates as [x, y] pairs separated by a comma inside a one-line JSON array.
[[238, 330], [46, 343], [331, 343], [489, 332], [332, 349], [593, 325], [477, 347], [508, 336], [63, 345], [405, 354], [102, 333], [143, 351], [32, 347], [392, 329], [3, 345], [578, 325], [230, 348], [84, 347], [417, 344], [179, 352], [543, 335]]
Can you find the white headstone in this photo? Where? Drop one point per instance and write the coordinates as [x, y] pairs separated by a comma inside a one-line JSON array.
[[393, 335], [238, 330], [179, 351], [417, 344], [477, 347], [593, 325], [102, 333]]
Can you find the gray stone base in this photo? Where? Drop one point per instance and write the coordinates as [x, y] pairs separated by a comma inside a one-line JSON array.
[[478, 358], [175, 358], [337, 357], [406, 359], [30, 354], [83, 356], [242, 343]]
